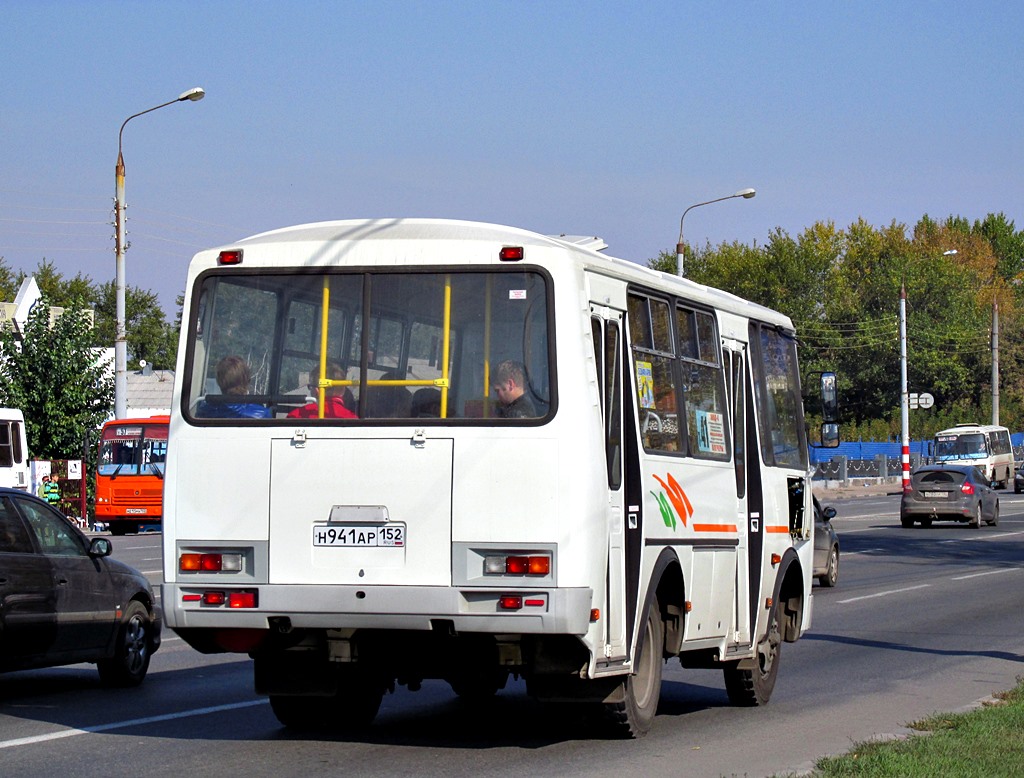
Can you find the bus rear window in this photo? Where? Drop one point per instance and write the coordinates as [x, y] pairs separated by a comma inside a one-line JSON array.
[[382, 346]]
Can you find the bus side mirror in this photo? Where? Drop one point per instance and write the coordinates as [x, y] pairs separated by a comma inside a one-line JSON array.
[[829, 435], [829, 399]]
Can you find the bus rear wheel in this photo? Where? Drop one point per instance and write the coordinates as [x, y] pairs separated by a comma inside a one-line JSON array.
[[641, 691], [353, 706], [750, 687]]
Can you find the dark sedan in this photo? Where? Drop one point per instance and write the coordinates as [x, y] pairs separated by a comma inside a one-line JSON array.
[[952, 492], [63, 600]]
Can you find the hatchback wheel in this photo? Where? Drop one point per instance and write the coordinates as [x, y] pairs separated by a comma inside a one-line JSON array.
[[831, 574], [976, 521], [995, 516]]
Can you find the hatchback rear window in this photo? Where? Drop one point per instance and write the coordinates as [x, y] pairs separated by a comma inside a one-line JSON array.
[[940, 478]]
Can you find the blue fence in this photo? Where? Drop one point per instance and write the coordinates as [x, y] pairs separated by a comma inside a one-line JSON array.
[[871, 449], [874, 459]]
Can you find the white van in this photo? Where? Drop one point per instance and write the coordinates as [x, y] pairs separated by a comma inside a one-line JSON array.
[[13, 449], [985, 446]]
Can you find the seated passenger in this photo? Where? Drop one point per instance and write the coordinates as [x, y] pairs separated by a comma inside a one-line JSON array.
[[388, 402], [509, 384], [335, 405], [426, 403], [233, 377]]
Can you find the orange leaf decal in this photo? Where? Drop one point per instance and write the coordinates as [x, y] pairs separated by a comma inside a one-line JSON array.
[[678, 497]]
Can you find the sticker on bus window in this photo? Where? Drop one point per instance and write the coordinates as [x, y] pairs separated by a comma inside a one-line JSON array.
[[711, 432], [645, 384], [516, 294]]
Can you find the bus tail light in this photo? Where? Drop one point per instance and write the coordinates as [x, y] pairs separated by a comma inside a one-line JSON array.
[[210, 563], [510, 602], [517, 564], [214, 598], [233, 257]]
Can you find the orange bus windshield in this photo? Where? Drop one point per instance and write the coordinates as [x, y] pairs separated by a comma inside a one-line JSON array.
[[133, 448]]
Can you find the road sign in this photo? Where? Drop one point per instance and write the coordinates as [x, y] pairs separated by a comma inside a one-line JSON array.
[[923, 400]]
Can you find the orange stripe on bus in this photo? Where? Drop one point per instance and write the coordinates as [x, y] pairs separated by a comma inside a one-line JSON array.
[[714, 528], [776, 528]]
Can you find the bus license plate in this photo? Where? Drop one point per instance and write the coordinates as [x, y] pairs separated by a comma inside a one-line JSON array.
[[359, 535]]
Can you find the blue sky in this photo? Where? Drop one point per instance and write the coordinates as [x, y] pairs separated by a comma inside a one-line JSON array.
[[587, 118]]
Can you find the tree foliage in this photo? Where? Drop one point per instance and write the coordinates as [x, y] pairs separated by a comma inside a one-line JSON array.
[[53, 375], [148, 335], [842, 290]]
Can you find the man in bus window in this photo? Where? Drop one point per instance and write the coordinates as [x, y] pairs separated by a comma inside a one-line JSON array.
[[334, 399], [509, 386], [233, 377]]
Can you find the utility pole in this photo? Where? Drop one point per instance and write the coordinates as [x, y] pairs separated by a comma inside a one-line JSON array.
[[995, 360], [904, 396]]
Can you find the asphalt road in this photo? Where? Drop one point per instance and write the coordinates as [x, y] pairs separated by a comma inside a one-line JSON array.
[[922, 621]]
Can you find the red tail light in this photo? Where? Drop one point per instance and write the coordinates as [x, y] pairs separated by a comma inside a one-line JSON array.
[[967, 488]]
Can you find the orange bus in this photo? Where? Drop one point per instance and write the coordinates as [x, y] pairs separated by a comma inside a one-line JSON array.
[[130, 473]]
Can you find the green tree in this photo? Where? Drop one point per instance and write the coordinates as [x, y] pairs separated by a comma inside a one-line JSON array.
[[52, 374], [148, 335], [9, 282]]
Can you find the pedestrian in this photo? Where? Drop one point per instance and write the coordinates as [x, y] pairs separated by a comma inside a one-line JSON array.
[[51, 490]]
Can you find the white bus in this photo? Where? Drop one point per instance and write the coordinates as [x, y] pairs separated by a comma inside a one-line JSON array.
[[14, 463], [645, 497], [985, 446]]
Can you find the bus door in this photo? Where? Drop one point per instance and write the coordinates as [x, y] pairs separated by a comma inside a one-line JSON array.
[[607, 330], [747, 514]]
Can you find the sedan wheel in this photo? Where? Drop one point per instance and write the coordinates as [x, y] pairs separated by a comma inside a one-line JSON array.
[[130, 662]]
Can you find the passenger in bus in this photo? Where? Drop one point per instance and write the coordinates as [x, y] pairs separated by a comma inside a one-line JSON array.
[[233, 378], [426, 403], [509, 385], [335, 405], [388, 402]]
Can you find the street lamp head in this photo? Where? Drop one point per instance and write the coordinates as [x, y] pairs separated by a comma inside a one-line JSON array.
[[746, 194], [193, 94]]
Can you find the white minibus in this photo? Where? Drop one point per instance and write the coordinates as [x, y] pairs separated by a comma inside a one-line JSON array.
[[985, 446], [409, 449]]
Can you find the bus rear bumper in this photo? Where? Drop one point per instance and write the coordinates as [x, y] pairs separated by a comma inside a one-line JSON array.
[[555, 611]]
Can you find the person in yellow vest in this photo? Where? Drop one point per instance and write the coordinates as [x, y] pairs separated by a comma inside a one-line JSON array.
[[51, 490]]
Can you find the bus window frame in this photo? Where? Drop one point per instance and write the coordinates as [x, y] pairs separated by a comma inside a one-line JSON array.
[[202, 314]]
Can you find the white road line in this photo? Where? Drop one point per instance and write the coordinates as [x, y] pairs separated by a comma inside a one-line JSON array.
[[24, 741], [987, 572], [865, 551], [152, 572], [884, 594]]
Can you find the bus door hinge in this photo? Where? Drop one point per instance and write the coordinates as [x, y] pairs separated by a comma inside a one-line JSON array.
[[419, 438], [299, 439]]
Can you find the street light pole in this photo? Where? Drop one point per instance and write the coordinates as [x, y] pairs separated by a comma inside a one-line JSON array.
[[746, 194], [120, 335]]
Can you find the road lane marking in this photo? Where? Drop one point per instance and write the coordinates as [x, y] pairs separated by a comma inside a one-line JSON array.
[[987, 572], [884, 594], [24, 741]]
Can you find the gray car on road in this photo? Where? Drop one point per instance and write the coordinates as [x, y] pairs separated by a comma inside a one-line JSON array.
[[949, 492]]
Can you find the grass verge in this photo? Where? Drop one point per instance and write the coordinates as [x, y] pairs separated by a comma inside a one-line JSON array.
[[985, 742]]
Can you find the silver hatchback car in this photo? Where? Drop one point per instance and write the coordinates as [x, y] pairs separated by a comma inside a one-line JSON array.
[[952, 492], [826, 545]]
